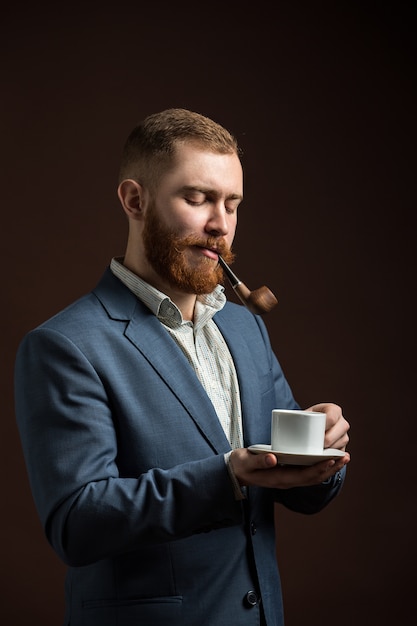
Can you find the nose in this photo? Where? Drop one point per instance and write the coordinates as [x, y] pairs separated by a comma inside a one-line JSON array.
[[217, 222]]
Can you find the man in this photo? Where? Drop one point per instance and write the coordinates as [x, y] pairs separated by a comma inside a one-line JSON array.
[[136, 406]]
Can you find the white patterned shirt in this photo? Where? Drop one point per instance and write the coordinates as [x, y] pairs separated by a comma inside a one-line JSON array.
[[203, 345]]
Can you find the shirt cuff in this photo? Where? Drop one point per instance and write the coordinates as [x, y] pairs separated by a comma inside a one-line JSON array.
[[240, 492]]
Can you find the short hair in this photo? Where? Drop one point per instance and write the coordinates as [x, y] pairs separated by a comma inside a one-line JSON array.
[[150, 148]]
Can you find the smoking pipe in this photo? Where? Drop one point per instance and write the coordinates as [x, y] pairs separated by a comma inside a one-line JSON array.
[[260, 301]]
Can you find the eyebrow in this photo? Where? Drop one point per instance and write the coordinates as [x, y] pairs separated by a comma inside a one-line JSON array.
[[205, 190]]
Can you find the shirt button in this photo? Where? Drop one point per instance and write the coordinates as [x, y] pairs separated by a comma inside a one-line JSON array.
[[253, 528]]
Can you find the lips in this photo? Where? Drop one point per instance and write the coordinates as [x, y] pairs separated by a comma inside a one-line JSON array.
[[211, 248], [209, 252]]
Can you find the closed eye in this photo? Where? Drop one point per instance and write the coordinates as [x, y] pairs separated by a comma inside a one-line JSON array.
[[195, 197], [194, 202], [198, 197], [231, 206]]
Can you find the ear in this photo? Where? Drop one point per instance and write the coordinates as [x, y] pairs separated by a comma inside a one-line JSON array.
[[133, 198]]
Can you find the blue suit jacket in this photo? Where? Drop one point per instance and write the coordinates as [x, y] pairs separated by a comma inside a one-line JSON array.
[[124, 453]]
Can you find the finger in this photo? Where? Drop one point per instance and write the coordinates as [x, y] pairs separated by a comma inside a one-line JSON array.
[[264, 461], [332, 410], [321, 472], [337, 435]]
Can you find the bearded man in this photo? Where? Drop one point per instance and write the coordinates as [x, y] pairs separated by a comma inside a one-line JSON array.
[[136, 406]]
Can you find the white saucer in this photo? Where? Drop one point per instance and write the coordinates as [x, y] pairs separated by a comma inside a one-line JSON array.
[[290, 458]]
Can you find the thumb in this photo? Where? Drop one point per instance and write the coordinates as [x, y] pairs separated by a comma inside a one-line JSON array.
[[269, 460]]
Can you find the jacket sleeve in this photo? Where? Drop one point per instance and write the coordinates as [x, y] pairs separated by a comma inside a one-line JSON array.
[[307, 500], [69, 436]]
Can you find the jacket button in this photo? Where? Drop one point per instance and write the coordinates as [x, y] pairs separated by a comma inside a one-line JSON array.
[[251, 599]]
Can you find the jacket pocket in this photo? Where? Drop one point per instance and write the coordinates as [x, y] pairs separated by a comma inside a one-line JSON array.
[[159, 611]]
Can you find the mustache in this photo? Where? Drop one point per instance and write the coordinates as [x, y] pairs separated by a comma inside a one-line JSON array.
[[216, 244]]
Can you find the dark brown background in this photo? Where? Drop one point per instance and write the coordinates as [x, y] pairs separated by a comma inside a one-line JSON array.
[[320, 96]]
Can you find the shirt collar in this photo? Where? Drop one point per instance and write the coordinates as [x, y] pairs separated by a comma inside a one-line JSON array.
[[161, 305]]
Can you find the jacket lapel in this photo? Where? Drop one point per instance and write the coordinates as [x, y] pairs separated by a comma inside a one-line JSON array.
[[163, 354]]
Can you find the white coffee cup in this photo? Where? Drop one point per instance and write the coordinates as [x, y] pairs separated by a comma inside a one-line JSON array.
[[297, 432]]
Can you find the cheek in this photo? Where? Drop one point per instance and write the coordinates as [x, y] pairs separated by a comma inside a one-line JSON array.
[[232, 231], [229, 239], [181, 219], [188, 223]]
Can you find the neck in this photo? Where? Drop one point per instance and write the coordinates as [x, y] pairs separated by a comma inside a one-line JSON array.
[[186, 304]]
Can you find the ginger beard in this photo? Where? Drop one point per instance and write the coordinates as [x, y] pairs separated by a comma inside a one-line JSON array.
[[165, 251]]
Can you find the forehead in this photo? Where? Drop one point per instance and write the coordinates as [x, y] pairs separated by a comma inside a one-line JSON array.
[[194, 165]]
